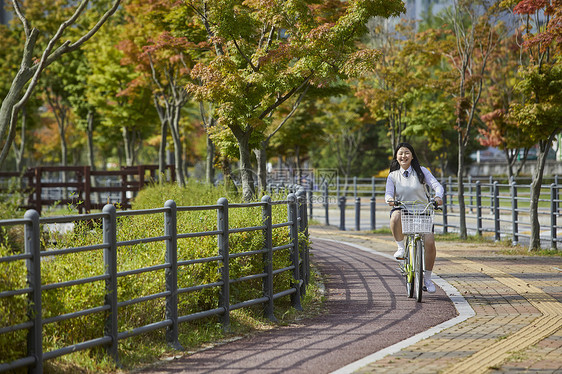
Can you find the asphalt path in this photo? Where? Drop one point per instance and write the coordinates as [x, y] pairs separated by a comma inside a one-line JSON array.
[[366, 310]]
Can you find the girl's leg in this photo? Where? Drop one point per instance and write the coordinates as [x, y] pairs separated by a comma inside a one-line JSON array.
[[396, 226], [430, 251], [396, 229]]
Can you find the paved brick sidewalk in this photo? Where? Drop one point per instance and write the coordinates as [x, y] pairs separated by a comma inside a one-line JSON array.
[[518, 306]]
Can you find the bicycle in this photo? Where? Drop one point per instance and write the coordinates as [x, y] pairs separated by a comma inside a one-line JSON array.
[[417, 220]]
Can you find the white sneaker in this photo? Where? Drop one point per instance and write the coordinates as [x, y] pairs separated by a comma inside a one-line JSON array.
[[428, 285], [399, 254]]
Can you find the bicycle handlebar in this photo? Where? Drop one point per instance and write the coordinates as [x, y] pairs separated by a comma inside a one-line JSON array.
[[431, 202]]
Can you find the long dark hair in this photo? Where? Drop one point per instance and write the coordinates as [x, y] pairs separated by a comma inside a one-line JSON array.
[[394, 165]]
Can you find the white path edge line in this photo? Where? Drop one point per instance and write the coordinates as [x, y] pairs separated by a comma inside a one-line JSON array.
[[463, 308]]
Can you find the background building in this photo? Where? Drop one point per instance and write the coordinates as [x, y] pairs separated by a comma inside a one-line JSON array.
[[4, 15], [415, 8]]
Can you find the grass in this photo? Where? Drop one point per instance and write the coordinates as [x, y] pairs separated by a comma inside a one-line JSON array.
[[150, 348], [504, 247]]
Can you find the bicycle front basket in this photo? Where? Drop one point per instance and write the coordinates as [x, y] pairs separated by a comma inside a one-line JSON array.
[[417, 220]]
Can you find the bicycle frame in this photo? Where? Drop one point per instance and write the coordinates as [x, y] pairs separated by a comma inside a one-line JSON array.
[[413, 265]]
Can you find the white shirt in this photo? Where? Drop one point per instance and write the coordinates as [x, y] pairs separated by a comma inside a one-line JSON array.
[[412, 188]]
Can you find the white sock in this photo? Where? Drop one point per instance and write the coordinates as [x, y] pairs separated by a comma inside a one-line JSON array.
[[400, 244], [427, 274]]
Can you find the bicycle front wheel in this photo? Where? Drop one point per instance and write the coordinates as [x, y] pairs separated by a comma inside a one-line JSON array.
[[409, 267], [418, 270]]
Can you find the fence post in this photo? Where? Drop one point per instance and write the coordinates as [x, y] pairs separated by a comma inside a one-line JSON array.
[[358, 213], [342, 213], [110, 261], [171, 273], [492, 194], [326, 203], [553, 212], [373, 205], [514, 214], [222, 241], [294, 235], [38, 187], [496, 201], [470, 201], [33, 248], [478, 208], [309, 194], [124, 188], [338, 187], [557, 193], [87, 189], [449, 198], [445, 222], [268, 257], [303, 228]]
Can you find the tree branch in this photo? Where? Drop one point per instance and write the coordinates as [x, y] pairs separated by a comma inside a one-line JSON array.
[[288, 116], [282, 99], [22, 18], [243, 54], [47, 57]]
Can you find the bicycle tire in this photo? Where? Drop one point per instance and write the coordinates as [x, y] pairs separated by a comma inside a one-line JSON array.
[[418, 270], [408, 268]]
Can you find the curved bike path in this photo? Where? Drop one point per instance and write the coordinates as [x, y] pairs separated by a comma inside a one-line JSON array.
[[366, 311]]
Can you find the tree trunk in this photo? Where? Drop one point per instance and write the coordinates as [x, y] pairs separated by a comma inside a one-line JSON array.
[[129, 147], [535, 240], [246, 175], [90, 135], [509, 164], [19, 151], [229, 184], [9, 111], [460, 192], [64, 150], [162, 151], [178, 147], [261, 157], [91, 160], [210, 162]]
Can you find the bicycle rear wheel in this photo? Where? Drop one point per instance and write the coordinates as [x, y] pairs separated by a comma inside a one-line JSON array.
[[418, 270], [409, 267]]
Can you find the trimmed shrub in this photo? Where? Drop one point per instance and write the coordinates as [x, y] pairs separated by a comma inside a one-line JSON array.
[[91, 263]]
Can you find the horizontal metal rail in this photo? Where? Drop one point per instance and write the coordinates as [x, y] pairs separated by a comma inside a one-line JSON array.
[[36, 353], [490, 207]]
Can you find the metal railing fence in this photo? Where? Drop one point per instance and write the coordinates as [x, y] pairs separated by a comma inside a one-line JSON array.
[[500, 209], [34, 257]]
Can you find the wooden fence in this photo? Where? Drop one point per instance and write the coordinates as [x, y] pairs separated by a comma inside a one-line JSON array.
[[86, 189]]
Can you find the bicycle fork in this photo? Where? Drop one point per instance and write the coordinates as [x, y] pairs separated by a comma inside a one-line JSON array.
[[406, 266]]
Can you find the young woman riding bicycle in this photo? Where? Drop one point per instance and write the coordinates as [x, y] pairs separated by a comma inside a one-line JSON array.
[[408, 181]]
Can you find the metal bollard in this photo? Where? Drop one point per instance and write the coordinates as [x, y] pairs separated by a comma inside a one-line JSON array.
[[326, 204], [358, 214], [342, 213], [514, 214], [496, 201]]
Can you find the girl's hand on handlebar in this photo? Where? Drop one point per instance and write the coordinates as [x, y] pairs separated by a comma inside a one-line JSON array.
[[391, 202]]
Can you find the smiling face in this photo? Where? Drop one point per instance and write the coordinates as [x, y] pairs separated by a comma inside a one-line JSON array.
[[404, 157]]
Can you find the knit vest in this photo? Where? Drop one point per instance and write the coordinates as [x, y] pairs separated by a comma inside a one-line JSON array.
[[408, 189]]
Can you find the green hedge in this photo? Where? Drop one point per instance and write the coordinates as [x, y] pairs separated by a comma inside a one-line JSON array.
[[90, 263]]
